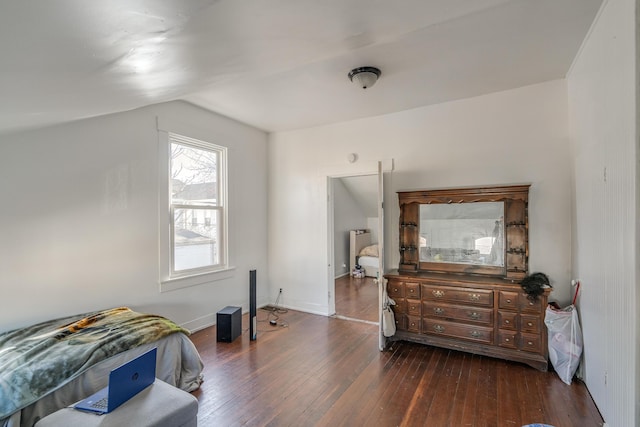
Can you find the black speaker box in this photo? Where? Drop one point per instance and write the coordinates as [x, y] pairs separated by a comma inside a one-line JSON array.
[[228, 324]]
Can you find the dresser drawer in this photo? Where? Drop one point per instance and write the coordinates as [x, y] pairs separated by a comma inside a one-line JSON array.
[[508, 339], [528, 306], [531, 342], [530, 323], [395, 289], [400, 307], [414, 307], [508, 320], [453, 312], [401, 322], [467, 296], [413, 323], [412, 290], [508, 300], [457, 330]]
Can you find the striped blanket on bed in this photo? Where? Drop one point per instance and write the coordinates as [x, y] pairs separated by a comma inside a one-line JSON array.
[[38, 359]]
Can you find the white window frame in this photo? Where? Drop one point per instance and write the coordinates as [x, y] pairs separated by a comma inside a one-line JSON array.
[[170, 279]]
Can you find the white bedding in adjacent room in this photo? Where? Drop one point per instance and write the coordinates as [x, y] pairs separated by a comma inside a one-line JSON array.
[[363, 252], [370, 264]]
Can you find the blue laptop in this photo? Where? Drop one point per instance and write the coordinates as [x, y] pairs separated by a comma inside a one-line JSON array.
[[124, 382]]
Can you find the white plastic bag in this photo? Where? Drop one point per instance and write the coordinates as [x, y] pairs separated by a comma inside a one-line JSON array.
[[388, 319], [388, 322], [565, 340]]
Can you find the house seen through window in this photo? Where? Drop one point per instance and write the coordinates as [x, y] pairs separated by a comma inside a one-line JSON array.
[[197, 203]]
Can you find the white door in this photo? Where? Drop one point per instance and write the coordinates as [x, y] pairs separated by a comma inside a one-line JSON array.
[[382, 283]]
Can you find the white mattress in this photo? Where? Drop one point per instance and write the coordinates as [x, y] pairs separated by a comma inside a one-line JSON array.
[[370, 264], [368, 261]]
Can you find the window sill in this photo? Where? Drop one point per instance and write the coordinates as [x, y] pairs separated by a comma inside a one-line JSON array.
[[196, 279]]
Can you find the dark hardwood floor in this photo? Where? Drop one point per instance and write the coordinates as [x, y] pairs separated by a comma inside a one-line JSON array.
[[357, 298], [320, 371]]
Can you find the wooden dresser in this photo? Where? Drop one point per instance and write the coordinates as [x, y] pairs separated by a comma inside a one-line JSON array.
[[463, 253], [480, 315]]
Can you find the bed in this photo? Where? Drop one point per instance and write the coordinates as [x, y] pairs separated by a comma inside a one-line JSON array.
[[363, 252], [48, 366]]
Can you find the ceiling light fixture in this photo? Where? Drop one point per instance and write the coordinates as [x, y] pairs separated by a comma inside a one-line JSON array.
[[365, 77]]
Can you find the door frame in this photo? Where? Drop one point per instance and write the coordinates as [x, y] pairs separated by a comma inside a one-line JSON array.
[[375, 169], [330, 231]]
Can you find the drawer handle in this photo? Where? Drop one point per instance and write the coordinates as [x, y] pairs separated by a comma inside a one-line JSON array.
[[508, 301], [474, 297], [507, 322], [438, 310], [411, 291], [530, 303], [474, 315], [529, 343], [475, 334], [395, 289], [437, 293], [439, 329], [529, 324], [507, 340]]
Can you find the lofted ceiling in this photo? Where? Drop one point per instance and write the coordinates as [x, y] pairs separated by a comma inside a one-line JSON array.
[[277, 64], [363, 189]]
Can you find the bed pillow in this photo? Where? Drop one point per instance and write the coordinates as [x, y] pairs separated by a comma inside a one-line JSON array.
[[371, 250]]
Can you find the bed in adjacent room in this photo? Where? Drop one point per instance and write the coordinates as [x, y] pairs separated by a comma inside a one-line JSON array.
[[363, 252], [51, 365]]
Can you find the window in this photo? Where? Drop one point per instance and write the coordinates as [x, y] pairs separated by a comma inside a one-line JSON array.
[[484, 245], [197, 210]]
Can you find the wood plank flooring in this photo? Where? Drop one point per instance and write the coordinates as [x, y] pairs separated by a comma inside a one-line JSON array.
[[320, 371], [357, 298]]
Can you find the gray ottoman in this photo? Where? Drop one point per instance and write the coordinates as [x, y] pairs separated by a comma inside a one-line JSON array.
[[159, 405]]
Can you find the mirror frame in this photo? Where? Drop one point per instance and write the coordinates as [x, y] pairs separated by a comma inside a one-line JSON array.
[[516, 223]]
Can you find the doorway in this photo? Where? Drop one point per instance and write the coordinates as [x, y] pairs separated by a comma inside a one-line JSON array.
[[355, 210]]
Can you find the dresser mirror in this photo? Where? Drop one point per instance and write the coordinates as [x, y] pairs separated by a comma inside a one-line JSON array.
[[481, 230], [466, 233]]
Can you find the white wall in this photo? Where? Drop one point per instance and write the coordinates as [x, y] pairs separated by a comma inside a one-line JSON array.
[[603, 117], [517, 136], [372, 225], [68, 247]]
